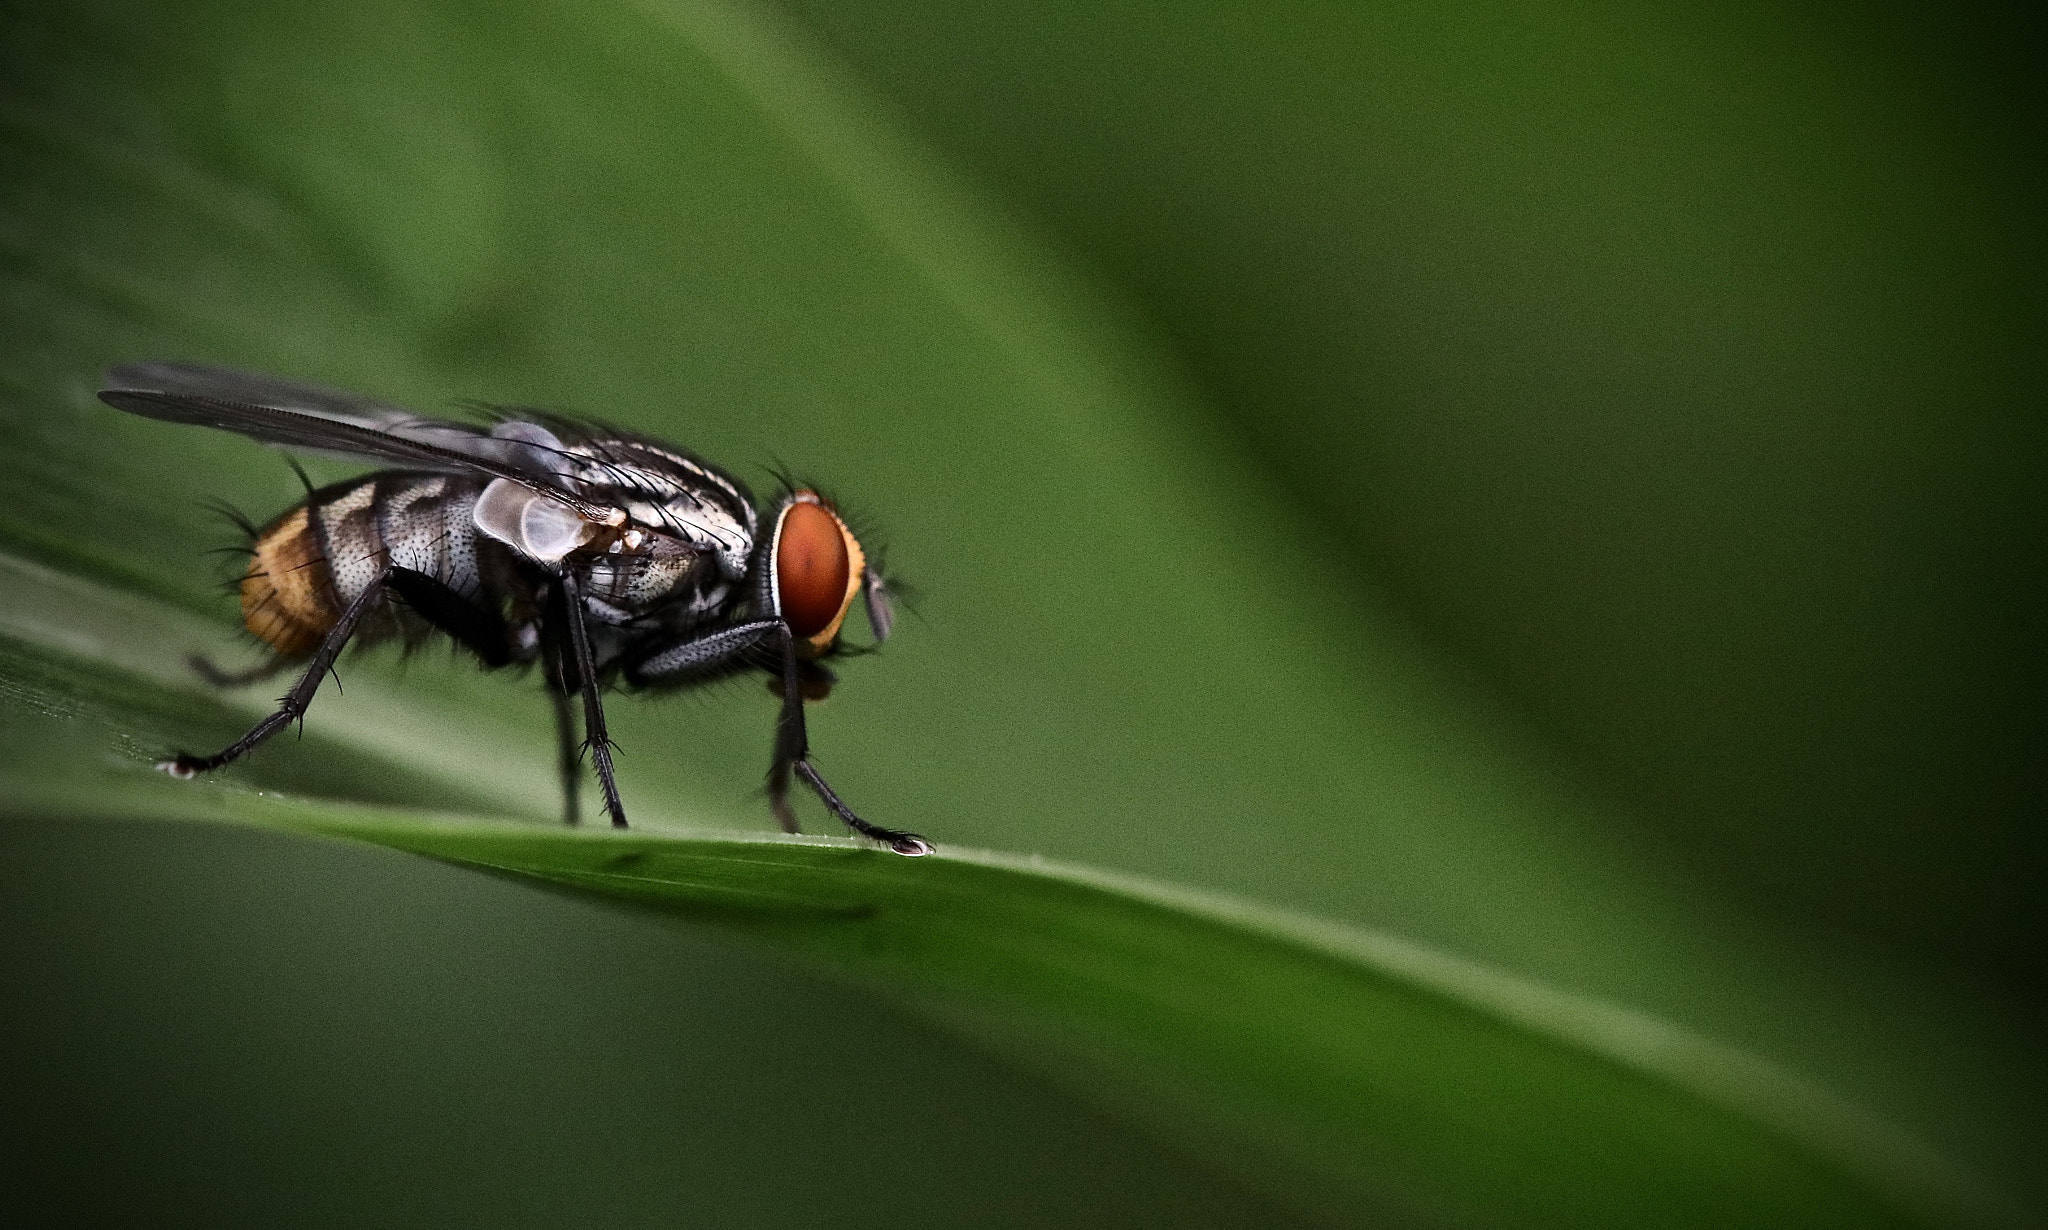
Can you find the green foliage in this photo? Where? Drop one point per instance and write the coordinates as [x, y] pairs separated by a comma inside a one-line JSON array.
[[1333, 1071], [1182, 447]]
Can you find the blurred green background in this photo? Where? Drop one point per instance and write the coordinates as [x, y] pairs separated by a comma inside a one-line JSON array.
[[1560, 484]]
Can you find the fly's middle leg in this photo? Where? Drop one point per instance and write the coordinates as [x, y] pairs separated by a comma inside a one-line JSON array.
[[595, 735], [568, 753]]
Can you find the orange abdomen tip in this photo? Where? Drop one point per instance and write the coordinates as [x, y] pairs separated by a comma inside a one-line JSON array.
[[287, 597]]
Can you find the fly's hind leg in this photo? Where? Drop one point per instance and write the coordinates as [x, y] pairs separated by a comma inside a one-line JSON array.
[[294, 704]]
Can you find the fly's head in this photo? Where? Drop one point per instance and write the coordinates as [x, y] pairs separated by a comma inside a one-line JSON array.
[[811, 570]]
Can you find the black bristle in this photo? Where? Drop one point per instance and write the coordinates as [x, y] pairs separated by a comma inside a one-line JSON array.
[[305, 480], [235, 516]]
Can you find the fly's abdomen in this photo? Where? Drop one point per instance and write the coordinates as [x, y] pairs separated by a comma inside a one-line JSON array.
[[426, 523], [309, 564], [287, 598]]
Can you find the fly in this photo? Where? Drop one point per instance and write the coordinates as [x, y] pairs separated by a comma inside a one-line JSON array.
[[603, 557]]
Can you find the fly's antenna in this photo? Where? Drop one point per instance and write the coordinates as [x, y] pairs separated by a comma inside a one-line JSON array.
[[904, 595]]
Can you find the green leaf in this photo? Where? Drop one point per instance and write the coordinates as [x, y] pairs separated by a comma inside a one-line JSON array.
[[1335, 1069], [1142, 647], [1352, 1067]]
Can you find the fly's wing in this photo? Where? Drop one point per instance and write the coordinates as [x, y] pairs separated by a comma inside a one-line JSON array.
[[315, 419], [255, 388], [194, 382]]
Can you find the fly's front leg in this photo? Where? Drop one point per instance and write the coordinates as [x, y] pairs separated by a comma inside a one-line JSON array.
[[709, 654], [719, 651], [595, 736], [295, 702], [712, 654], [792, 752]]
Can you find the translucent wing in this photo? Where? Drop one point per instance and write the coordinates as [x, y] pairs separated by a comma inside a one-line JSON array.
[[316, 419], [257, 389]]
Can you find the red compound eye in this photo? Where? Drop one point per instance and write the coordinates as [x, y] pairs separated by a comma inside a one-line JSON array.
[[811, 569]]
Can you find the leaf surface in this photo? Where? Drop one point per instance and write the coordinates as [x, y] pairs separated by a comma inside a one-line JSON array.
[[1140, 648]]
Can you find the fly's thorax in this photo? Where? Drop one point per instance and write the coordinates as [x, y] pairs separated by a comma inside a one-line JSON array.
[[631, 571], [667, 492], [679, 533], [626, 567]]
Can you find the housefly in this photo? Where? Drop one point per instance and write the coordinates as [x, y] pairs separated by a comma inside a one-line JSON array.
[[603, 557]]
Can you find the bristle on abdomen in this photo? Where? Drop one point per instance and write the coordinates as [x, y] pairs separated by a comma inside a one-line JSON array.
[[288, 598]]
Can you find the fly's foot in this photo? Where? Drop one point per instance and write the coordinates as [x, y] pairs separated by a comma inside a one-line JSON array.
[[909, 845], [180, 766]]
